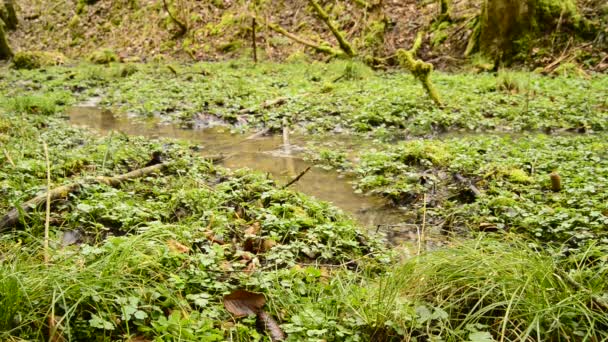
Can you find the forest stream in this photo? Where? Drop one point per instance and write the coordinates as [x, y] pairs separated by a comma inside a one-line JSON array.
[[265, 153]]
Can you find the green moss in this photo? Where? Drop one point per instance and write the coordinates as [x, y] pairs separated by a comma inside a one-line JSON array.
[[518, 176], [421, 153], [103, 56], [37, 59], [230, 46]]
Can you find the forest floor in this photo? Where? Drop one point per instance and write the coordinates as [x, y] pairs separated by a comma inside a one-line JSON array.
[[153, 258]]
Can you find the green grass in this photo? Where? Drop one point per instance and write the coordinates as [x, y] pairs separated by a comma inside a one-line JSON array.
[[507, 289]]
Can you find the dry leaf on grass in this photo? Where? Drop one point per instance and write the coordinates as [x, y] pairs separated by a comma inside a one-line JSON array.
[[177, 247], [241, 303]]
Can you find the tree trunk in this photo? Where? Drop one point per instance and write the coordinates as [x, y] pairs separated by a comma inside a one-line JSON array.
[[11, 16], [502, 22], [5, 49], [509, 27]]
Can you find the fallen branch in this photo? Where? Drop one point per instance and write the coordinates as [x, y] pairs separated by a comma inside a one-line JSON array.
[[317, 47], [460, 179], [12, 217], [297, 178]]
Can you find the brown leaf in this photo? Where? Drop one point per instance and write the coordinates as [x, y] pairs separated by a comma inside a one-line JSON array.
[[214, 238], [226, 266], [177, 247], [267, 244], [269, 324], [250, 268], [254, 229], [241, 303]]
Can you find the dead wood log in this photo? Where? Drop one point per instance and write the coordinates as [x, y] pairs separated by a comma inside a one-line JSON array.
[[12, 217]]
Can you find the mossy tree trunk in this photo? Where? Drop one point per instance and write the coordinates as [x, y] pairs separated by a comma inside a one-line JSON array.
[[5, 49], [10, 16], [506, 27]]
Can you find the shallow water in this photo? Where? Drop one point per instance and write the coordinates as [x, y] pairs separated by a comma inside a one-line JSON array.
[[265, 154]]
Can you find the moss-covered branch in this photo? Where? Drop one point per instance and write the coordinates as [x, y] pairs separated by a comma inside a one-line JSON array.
[[344, 44], [317, 47], [420, 69]]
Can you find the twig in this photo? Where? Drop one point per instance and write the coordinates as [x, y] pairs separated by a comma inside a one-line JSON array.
[[286, 144], [47, 219], [595, 299], [13, 216], [258, 134], [253, 43], [8, 157], [421, 230], [108, 146], [297, 178], [344, 45]]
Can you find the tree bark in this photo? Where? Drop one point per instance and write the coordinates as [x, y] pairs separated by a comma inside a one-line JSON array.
[[5, 50], [11, 16]]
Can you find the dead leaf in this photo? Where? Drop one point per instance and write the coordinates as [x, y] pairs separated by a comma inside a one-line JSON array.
[[226, 266], [250, 268], [254, 229], [487, 227], [269, 324], [267, 244], [241, 303], [177, 247]]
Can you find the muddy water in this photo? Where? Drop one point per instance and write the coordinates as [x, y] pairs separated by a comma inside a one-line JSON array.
[[265, 154]]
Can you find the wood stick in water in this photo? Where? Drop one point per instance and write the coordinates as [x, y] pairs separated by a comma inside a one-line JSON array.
[[297, 178]]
